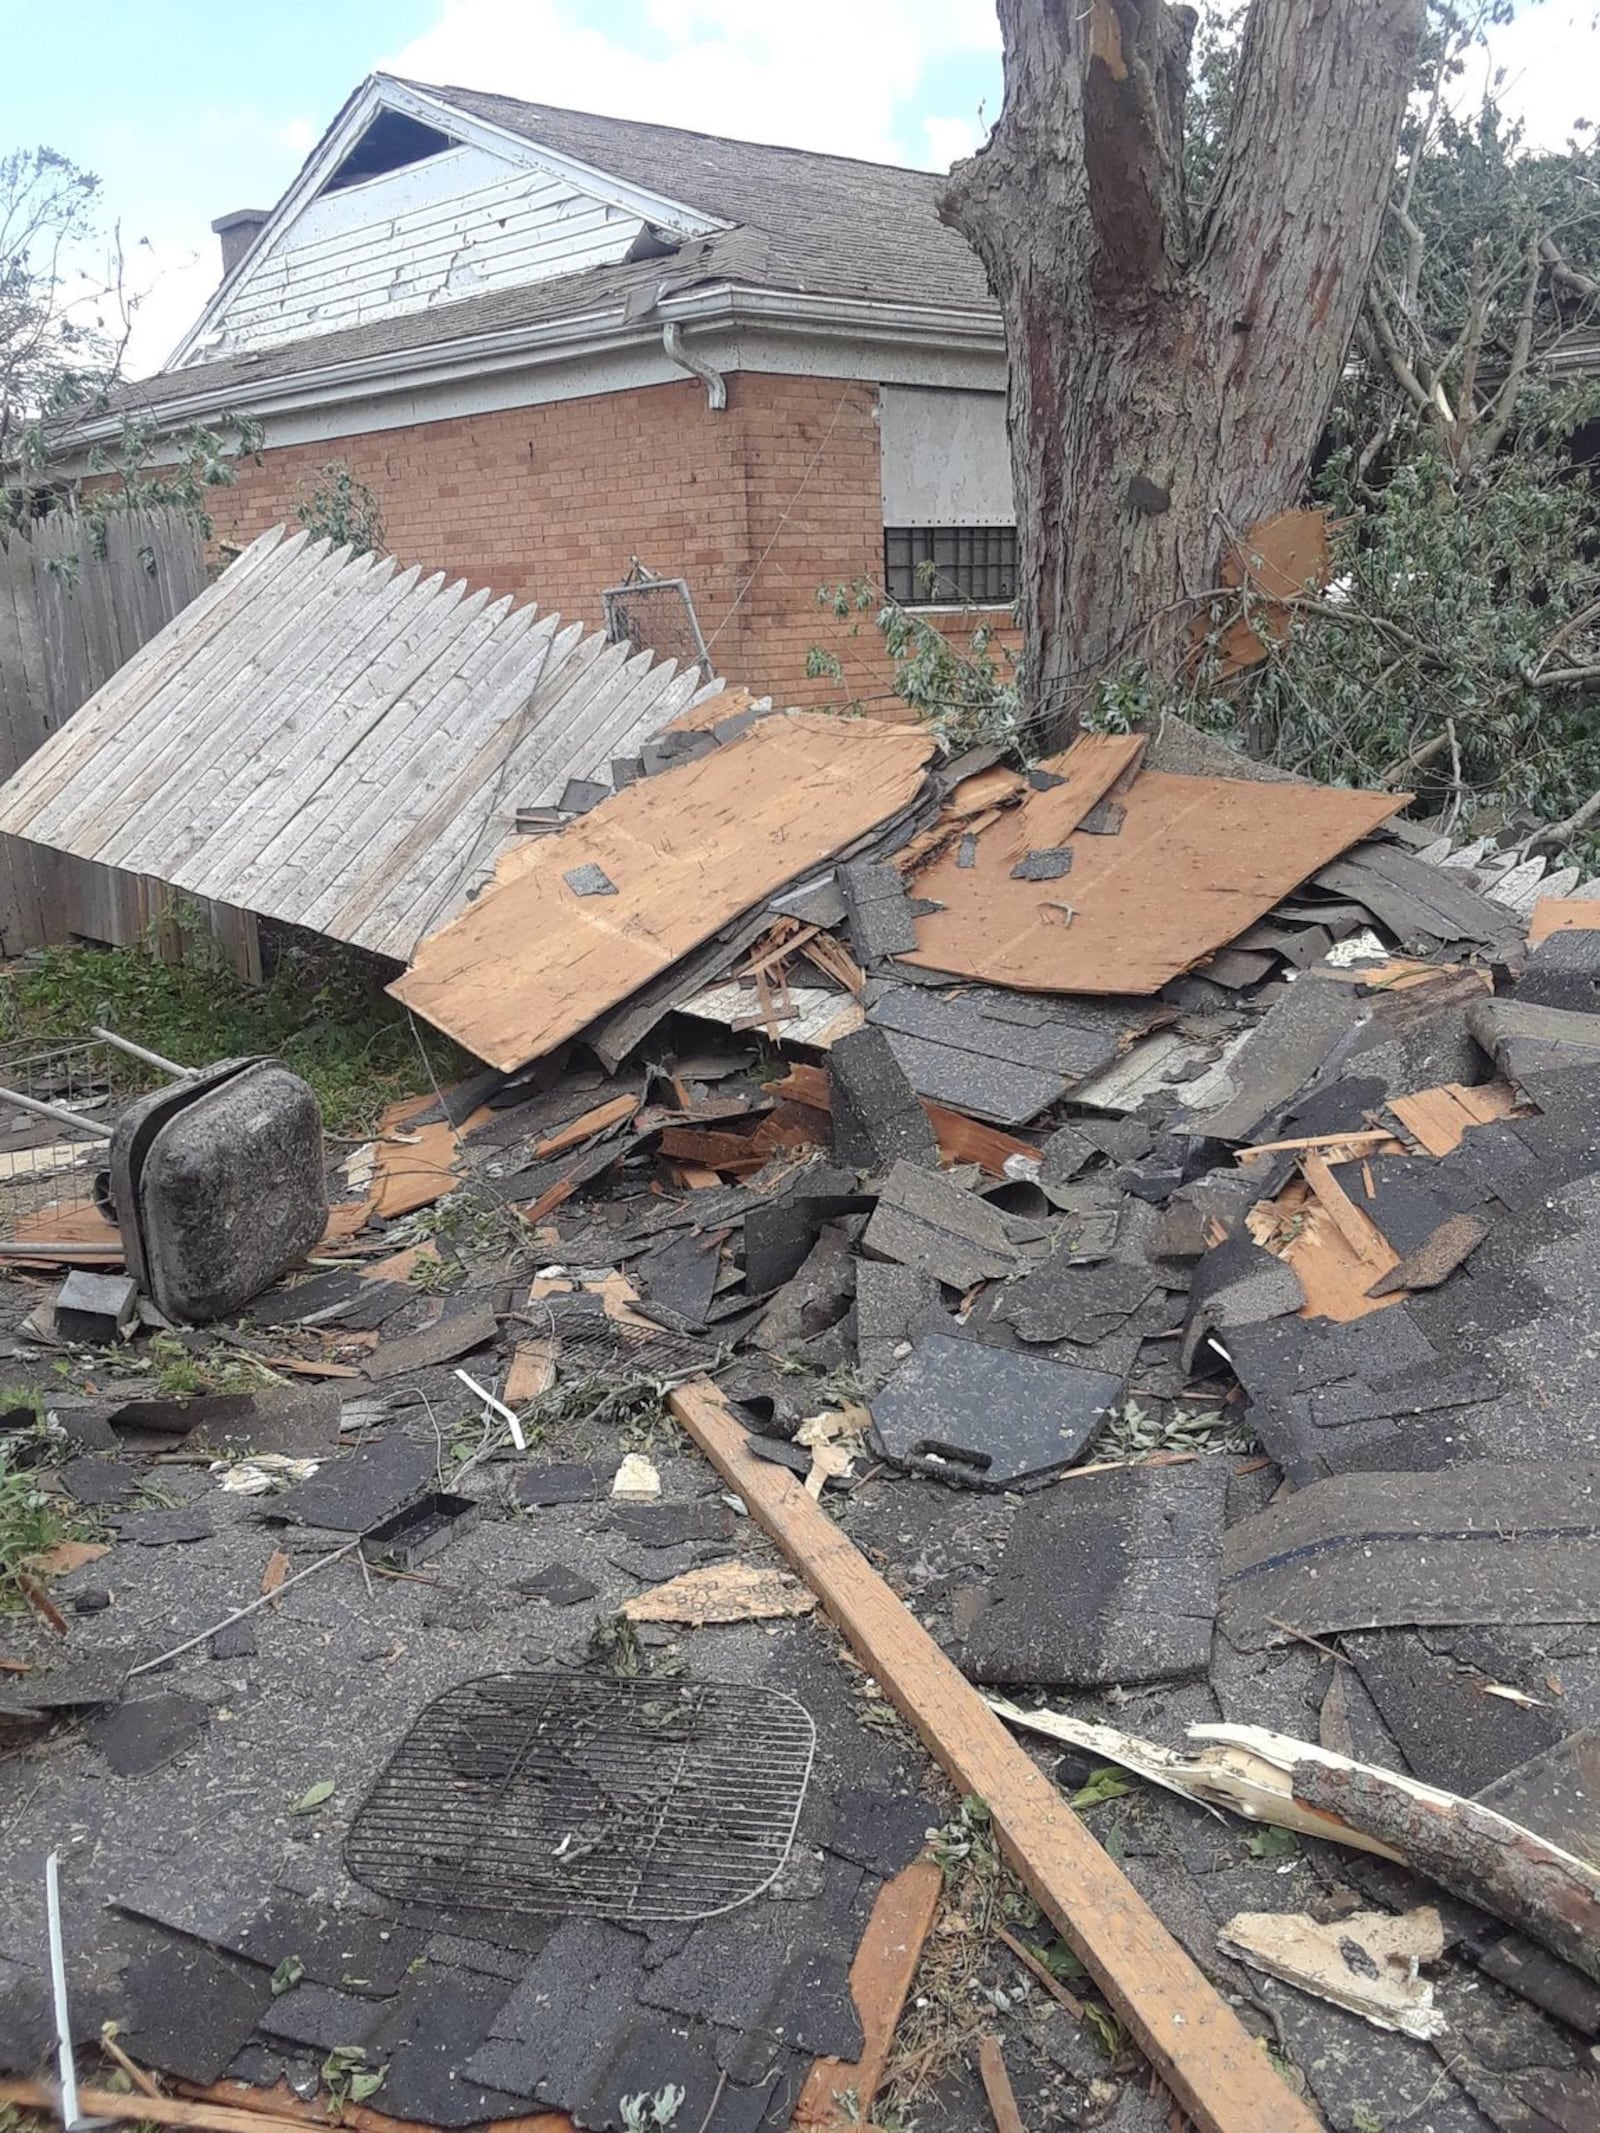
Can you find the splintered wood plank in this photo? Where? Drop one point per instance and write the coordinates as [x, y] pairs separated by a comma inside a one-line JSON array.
[[997, 2086], [1298, 1228], [880, 1980], [400, 1266], [1438, 1120], [1219, 2073], [1353, 1223], [532, 1371], [534, 961], [1196, 862], [345, 1219], [966, 1140], [414, 1172], [1375, 1141], [722, 1592], [615, 1113]]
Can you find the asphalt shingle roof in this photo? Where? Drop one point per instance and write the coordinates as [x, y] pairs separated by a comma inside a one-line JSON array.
[[816, 224]]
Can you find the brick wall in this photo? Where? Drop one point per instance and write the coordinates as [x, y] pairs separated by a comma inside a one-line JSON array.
[[756, 507]]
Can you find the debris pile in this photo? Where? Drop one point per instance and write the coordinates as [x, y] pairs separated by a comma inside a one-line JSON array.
[[1125, 1232]]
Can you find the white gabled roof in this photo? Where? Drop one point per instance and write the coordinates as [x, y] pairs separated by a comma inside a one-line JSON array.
[[500, 210]]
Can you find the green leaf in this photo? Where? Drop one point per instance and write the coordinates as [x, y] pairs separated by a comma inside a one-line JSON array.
[[1272, 1843], [1104, 1784], [1106, 2027], [364, 2085], [309, 1802], [287, 1975], [1059, 1960]]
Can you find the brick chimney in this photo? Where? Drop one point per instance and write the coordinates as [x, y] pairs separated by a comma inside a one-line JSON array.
[[238, 233]]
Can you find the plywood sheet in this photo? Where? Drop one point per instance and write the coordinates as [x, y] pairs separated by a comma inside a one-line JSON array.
[[1438, 1120], [1562, 914], [533, 961], [1196, 862]]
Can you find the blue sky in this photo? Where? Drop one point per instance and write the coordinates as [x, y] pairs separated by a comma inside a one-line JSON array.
[[186, 108]]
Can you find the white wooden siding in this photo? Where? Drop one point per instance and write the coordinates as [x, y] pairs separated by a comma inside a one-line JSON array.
[[456, 225]]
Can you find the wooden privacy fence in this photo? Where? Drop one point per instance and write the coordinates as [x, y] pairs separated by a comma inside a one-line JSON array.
[[77, 600]]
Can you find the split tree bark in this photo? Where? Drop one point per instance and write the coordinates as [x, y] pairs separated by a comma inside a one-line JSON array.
[[1169, 373]]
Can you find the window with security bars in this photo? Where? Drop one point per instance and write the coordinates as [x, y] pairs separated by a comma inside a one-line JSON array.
[[931, 566]]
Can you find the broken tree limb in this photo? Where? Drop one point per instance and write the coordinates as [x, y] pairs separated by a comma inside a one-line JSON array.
[[153, 2110], [1468, 1849], [1551, 1895], [1218, 2072], [1217, 1778]]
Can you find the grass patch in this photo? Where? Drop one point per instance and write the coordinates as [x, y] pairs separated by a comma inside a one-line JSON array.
[[324, 1013], [31, 1520], [179, 1373]]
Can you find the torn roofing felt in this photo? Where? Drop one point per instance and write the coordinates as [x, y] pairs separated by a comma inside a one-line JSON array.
[[532, 963], [337, 742]]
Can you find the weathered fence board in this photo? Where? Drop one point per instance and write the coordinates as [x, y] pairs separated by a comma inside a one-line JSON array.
[[339, 743], [76, 604]]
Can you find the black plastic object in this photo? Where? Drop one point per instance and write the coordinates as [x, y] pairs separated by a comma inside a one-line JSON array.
[[217, 1185]]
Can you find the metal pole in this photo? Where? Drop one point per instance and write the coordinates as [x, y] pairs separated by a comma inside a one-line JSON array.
[[137, 1051], [58, 1987], [57, 1113]]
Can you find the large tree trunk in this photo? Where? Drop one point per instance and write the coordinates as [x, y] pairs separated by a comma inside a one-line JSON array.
[[1169, 381]]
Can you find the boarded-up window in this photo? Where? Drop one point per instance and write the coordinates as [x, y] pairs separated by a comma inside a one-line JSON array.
[[946, 461], [949, 526]]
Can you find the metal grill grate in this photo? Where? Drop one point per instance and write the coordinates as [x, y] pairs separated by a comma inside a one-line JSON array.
[[545, 1794]]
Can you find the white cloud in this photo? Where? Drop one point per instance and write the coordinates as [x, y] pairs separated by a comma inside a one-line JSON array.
[[170, 285], [837, 75], [1548, 62], [949, 139], [301, 134]]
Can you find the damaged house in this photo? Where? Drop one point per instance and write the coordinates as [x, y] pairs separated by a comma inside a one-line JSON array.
[[552, 344], [1095, 1255]]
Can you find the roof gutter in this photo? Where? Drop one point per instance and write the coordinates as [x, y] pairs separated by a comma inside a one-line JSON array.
[[715, 383], [561, 340]]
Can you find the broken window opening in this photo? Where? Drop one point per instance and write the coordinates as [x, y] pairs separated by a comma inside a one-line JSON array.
[[391, 142], [931, 566]]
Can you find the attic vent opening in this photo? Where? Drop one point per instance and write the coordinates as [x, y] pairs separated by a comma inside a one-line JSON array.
[[391, 142]]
